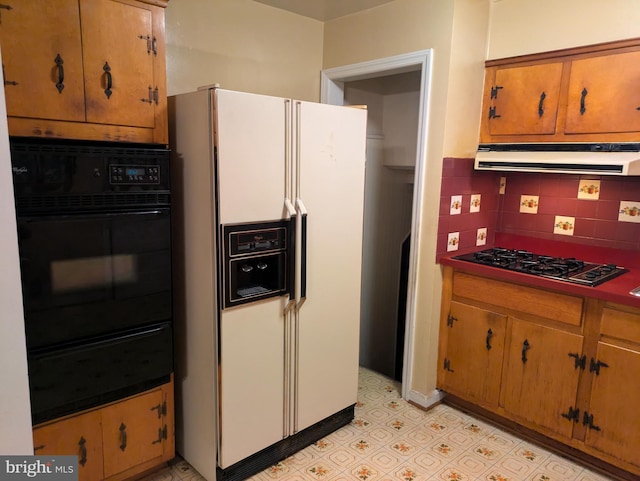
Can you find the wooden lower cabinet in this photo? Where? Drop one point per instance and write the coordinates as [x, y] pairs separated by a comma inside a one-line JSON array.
[[541, 375], [562, 368], [116, 441], [79, 435], [472, 360]]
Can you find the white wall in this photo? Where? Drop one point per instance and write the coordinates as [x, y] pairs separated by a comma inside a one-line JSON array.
[[15, 408]]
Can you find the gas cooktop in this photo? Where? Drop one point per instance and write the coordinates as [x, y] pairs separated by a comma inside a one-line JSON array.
[[559, 268]]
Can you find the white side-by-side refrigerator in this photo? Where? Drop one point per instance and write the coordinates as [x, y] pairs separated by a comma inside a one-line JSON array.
[[258, 379]]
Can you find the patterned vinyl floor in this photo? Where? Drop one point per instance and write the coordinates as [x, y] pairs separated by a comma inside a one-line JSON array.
[[390, 439]]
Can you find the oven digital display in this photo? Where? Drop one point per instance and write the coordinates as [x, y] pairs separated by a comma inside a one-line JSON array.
[[135, 171]]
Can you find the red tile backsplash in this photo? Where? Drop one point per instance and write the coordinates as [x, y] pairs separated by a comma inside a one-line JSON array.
[[596, 221]]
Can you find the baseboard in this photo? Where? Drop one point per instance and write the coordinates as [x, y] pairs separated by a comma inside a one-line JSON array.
[[426, 401]]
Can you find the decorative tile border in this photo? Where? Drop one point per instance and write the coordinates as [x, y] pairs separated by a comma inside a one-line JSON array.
[[481, 236], [564, 225], [453, 241], [629, 211], [456, 205], [475, 203], [529, 204], [589, 189]]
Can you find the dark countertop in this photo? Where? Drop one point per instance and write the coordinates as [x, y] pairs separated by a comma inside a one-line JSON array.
[[615, 290]]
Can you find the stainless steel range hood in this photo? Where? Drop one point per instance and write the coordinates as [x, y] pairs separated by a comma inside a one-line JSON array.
[[600, 159]]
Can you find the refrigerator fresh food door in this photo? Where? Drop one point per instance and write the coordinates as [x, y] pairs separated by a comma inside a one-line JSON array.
[[329, 157], [251, 140]]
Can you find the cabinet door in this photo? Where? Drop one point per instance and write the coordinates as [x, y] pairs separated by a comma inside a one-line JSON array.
[[541, 378], [524, 100], [34, 36], [604, 94], [79, 435], [472, 363], [615, 397], [118, 57], [132, 432]]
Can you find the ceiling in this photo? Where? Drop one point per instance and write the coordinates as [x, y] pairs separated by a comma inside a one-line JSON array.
[[324, 10]]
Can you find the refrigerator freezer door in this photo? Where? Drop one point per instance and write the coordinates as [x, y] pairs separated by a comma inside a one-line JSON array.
[[330, 161], [252, 391], [251, 134]]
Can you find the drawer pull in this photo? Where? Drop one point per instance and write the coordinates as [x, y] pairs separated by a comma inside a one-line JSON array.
[[38, 448], [60, 83], [123, 437], [107, 72], [83, 451], [489, 336], [525, 348]]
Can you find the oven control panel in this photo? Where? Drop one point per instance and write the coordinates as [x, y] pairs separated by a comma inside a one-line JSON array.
[[120, 174]]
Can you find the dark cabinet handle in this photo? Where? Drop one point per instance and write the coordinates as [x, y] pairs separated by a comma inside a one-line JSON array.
[[494, 91], [587, 420], [525, 348], [154, 45], [83, 451], [123, 437], [595, 366], [38, 448], [489, 336], [60, 84], [540, 104], [572, 415], [7, 82], [580, 361], [107, 72], [583, 95]]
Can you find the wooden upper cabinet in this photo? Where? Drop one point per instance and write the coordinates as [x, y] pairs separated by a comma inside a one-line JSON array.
[[43, 66], [584, 94], [86, 69], [604, 94], [118, 47], [524, 100], [541, 376]]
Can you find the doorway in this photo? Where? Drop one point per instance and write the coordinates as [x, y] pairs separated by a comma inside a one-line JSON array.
[[395, 90]]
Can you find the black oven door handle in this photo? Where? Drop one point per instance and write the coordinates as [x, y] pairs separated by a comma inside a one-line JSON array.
[[91, 216]]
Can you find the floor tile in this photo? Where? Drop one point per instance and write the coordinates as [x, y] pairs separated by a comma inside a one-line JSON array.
[[392, 440]]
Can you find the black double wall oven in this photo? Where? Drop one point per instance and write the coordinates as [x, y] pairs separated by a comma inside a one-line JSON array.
[[94, 233]]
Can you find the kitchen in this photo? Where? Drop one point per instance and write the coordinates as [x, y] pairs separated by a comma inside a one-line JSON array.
[[222, 44]]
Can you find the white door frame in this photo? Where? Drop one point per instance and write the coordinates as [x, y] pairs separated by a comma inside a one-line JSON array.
[[332, 92]]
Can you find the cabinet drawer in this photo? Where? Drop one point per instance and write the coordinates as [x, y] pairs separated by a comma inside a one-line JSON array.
[[621, 324], [551, 305]]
